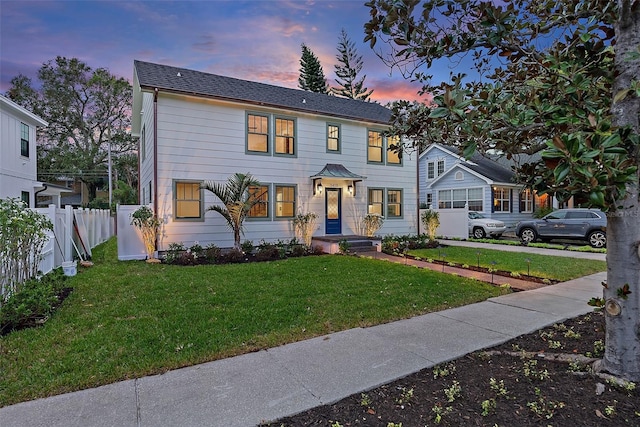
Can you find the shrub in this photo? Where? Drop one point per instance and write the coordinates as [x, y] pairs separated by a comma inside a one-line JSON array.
[[173, 253], [212, 253], [35, 301], [234, 256], [149, 224], [431, 221], [304, 226], [372, 223], [247, 246]]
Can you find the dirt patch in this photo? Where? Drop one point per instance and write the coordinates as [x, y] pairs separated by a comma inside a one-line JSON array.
[[539, 379]]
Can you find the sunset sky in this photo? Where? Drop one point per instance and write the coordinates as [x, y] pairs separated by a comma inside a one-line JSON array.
[[253, 40]]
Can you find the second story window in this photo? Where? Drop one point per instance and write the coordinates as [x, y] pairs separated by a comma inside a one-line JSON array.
[[24, 140], [257, 133], [333, 138], [393, 156], [374, 145], [285, 136]]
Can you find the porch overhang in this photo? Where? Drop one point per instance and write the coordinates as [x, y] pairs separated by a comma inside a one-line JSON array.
[[337, 172]]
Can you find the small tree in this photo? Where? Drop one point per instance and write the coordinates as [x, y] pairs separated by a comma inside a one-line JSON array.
[[431, 221], [372, 223], [304, 225], [149, 225], [237, 200], [23, 233]]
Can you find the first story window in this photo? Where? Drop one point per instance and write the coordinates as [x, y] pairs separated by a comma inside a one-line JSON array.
[[257, 133], [429, 200], [333, 138], [25, 197], [526, 200], [285, 204], [474, 198], [259, 194], [375, 200], [143, 143], [501, 199], [188, 200], [24, 140], [285, 136], [394, 203], [459, 198]]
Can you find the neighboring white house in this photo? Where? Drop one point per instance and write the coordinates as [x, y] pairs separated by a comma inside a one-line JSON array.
[[311, 153], [18, 159], [449, 181]]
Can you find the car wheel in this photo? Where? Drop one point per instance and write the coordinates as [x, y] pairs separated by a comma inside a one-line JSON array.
[[598, 239], [528, 235], [478, 233]]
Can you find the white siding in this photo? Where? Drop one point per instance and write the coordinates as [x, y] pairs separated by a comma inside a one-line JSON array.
[[200, 139]]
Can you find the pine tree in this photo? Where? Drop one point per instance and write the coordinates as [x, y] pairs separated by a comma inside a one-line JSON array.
[[311, 74], [347, 69]]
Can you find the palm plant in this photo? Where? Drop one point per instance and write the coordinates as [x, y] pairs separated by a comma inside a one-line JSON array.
[[237, 200]]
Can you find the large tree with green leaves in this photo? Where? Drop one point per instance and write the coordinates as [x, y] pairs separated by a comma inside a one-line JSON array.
[[560, 79], [311, 73], [348, 69], [86, 109]]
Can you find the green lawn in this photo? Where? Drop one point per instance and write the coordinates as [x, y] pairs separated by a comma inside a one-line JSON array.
[[130, 319], [543, 266]]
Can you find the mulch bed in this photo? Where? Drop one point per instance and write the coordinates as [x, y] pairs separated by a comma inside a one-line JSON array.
[[518, 383]]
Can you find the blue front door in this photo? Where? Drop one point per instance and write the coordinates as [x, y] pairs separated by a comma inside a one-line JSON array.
[[333, 211]]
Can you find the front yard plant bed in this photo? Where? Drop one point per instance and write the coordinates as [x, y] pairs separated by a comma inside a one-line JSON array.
[[540, 379]]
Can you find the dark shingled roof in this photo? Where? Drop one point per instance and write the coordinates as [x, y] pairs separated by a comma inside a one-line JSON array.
[[181, 80]]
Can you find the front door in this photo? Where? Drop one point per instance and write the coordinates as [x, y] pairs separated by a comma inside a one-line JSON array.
[[333, 211]]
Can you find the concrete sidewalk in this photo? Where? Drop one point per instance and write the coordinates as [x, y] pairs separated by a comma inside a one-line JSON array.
[[270, 384]]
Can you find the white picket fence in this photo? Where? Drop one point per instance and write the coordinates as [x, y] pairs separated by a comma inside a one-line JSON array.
[[75, 233]]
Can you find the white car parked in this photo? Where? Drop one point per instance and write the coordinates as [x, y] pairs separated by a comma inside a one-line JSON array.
[[481, 227]]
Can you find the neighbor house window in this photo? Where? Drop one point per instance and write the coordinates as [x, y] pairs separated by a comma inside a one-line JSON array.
[[526, 200], [393, 156], [459, 198], [285, 136], [257, 133], [285, 201], [444, 199], [501, 199], [394, 203], [474, 199], [429, 200], [374, 142], [375, 201], [24, 140], [188, 200], [431, 170], [25, 197], [261, 195], [440, 167], [333, 138]]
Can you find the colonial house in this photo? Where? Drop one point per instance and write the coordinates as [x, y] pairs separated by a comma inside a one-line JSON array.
[[311, 153], [449, 181], [18, 159]]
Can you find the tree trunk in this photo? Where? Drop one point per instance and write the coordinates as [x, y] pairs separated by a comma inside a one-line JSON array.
[[622, 352]]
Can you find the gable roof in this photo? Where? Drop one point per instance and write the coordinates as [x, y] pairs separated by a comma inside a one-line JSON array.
[[481, 165], [166, 78], [21, 112]]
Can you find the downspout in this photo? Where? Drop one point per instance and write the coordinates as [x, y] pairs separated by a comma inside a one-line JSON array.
[[35, 195], [155, 156], [418, 192]]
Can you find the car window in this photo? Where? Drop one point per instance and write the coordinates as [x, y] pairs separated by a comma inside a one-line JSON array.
[[556, 215], [576, 215]]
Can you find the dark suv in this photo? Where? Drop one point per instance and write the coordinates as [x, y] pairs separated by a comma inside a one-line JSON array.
[[577, 223]]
